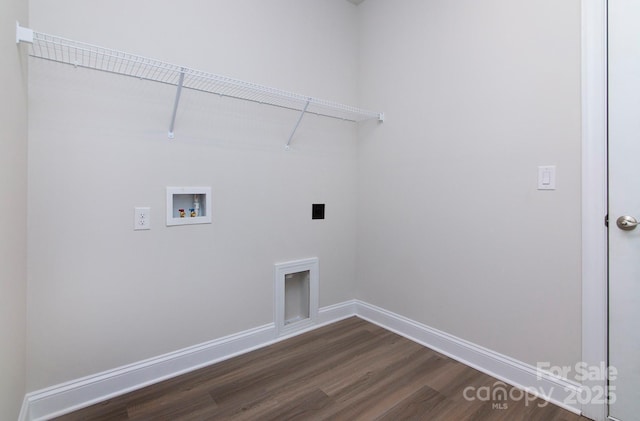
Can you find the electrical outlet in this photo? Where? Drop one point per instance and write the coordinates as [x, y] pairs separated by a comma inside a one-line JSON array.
[[142, 219]]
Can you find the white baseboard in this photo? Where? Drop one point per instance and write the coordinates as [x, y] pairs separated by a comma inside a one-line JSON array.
[[333, 313], [67, 397], [64, 398], [558, 391]]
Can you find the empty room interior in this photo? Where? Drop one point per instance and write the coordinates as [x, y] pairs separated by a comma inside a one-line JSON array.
[[185, 183]]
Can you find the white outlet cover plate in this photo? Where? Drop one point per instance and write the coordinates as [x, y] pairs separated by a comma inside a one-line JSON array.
[[142, 219]]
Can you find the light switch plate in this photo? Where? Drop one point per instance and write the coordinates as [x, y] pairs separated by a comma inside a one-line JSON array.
[[142, 219], [547, 177]]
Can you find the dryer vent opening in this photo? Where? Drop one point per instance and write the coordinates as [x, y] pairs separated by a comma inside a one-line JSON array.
[[296, 287]]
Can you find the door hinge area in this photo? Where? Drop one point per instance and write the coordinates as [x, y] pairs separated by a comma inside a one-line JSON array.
[[606, 220]]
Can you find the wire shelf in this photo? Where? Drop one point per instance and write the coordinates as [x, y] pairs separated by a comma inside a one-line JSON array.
[[80, 54]]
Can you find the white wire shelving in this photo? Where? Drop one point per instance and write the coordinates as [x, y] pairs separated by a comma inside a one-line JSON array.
[[80, 54]]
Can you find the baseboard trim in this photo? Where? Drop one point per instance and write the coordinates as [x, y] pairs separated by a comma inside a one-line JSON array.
[[67, 397], [336, 312], [556, 390], [70, 396], [24, 409]]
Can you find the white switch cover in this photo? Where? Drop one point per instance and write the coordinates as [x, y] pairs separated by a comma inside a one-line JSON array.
[[142, 219], [547, 177]]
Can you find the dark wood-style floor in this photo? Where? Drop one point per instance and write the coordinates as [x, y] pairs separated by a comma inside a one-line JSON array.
[[350, 370]]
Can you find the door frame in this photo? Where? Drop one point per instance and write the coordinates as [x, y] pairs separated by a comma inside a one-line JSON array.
[[594, 197]]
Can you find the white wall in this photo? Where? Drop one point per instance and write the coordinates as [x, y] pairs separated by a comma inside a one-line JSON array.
[[101, 295], [13, 196], [451, 229]]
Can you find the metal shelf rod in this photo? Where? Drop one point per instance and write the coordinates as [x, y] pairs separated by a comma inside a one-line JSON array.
[[175, 105], [297, 124]]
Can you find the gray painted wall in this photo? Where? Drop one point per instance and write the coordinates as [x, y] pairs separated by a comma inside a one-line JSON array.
[[434, 215], [102, 295], [13, 196], [452, 231]]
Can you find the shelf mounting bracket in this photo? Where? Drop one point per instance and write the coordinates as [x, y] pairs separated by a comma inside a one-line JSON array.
[[23, 34], [304, 110], [175, 103]]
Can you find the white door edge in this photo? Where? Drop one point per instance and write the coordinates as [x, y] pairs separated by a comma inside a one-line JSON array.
[[594, 194]]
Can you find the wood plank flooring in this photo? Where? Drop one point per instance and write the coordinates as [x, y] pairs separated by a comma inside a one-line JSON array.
[[350, 370]]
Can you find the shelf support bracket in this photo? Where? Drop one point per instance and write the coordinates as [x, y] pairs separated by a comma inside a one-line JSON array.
[[23, 34], [304, 110], [175, 103]]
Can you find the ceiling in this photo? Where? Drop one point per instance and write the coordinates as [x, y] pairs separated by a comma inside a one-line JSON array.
[[356, 2]]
